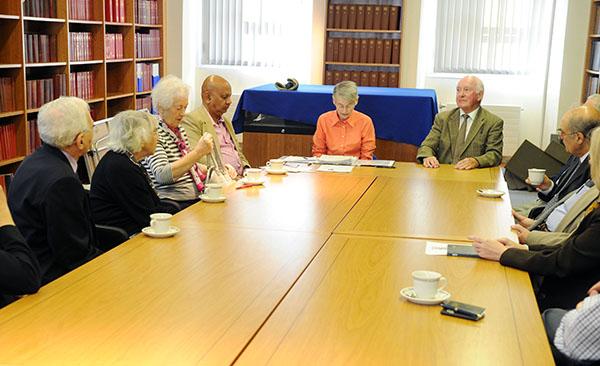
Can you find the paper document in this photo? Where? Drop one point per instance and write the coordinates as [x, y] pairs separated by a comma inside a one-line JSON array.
[[300, 168], [436, 248], [338, 159], [299, 159], [377, 163], [336, 168]]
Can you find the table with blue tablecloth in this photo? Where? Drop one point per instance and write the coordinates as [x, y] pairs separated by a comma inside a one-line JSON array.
[[401, 115]]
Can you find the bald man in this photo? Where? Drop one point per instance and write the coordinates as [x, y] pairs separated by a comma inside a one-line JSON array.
[[468, 136], [216, 99]]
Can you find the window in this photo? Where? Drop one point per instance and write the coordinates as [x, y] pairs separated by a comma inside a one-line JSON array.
[[492, 36], [260, 33]]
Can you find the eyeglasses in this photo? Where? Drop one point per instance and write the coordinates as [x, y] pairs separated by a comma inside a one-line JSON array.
[[562, 133]]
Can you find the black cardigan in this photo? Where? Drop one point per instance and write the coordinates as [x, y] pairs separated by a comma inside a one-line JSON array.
[[121, 194], [569, 269], [19, 270]]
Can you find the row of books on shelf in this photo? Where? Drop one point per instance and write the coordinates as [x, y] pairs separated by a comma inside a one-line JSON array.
[[41, 91], [146, 11], [80, 9], [39, 8], [147, 75], [82, 84], [357, 16], [379, 51], [147, 44], [80, 46], [7, 95], [595, 56], [113, 43], [114, 11], [144, 102], [40, 47], [8, 141], [34, 135], [363, 78]]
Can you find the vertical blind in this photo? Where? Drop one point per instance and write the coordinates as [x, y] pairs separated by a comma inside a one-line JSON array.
[[492, 36], [253, 32]]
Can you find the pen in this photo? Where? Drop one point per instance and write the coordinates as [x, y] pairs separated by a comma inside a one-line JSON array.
[[245, 186]]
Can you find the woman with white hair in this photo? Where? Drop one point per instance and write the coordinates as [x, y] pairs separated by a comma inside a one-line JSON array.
[[173, 167], [121, 194], [344, 131]]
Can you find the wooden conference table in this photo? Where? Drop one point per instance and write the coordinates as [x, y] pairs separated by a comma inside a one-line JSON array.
[[304, 270]]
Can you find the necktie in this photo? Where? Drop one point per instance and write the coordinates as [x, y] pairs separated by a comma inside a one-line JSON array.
[[563, 181], [460, 139]]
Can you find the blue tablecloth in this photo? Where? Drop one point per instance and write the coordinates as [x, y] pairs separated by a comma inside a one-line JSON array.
[[402, 115]]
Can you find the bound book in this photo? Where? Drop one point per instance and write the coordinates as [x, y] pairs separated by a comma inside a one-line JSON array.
[[337, 20], [341, 50], [360, 17], [371, 52], [383, 79], [376, 17], [330, 16], [352, 17], [387, 51], [349, 50], [344, 21], [394, 16], [379, 51], [396, 51], [385, 17], [356, 50], [368, 17]]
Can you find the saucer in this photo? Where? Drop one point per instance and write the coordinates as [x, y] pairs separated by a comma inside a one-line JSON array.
[[409, 294], [150, 232], [258, 182], [275, 171], [205, 198], [492, 193]]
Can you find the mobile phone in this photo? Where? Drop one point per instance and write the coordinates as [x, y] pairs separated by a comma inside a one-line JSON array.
[[462, 310], [462, 251]]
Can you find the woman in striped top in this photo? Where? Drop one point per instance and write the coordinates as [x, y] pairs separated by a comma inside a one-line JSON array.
[[173, 167]]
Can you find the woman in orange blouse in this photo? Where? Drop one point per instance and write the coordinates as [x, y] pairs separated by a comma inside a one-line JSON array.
[[344, 131]]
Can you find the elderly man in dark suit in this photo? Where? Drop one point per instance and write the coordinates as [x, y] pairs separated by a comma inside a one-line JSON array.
[[19, 270], [468, 136], [46, 197]]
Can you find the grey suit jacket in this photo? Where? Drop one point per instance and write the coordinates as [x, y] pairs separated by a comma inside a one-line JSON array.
[[568, 224], [198, 122], [483, 142]]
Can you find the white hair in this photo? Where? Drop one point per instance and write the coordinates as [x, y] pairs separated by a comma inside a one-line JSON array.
[[61, 120], [346, 90], [478, 83], [168, 89], [131, 130]]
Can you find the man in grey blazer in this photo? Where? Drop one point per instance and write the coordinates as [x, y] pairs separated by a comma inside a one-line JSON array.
[[578, 204], [216, 99], [468, 136]]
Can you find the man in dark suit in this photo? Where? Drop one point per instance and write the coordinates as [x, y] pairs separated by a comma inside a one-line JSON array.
[[19, 270], [46, 197], [574, 129], [468, 136]]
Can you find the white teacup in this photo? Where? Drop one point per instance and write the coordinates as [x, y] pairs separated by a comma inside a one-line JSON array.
[[214, 190], [252, 174], [160, 222], [427, 283], [275, 164], [536, 176]]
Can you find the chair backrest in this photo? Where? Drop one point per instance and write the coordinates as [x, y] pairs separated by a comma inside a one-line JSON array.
[[99, 145]]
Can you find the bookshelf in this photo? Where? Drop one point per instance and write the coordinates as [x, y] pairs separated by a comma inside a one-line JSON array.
[[363, 42], [591, 72], [85, 48]]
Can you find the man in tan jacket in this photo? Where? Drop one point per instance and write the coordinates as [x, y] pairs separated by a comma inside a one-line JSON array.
[[216, 99]]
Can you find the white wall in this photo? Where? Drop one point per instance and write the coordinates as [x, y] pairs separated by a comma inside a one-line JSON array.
[[540, 114]]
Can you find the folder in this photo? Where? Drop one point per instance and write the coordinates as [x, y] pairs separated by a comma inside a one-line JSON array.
[[530, 156]]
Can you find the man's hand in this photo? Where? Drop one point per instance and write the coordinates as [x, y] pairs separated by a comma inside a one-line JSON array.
[[544, 186], [522, 220], [231, 171], [488, 248], [467, 164], [522, 233], [431, 162], [594, 290]]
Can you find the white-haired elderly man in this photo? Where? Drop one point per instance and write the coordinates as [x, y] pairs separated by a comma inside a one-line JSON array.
[[468, 136], [46, 197], [121, 194], [344, 131], [173, 168]]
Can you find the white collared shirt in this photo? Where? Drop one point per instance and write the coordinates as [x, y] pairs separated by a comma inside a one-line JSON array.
[[71, 159], [472, 116], [581, 160]]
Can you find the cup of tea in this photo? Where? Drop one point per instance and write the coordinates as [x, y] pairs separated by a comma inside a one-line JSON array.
[[275, 164], [536, 176], [214, 190], [160, 222], [427, 283], [252, 174]]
